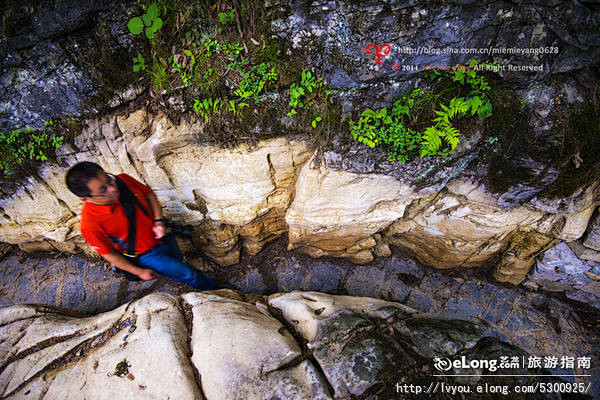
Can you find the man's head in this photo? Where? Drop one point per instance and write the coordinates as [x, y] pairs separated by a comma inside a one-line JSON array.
[[89, 181]]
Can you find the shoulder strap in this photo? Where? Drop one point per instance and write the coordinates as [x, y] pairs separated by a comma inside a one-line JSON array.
[[129, 201]]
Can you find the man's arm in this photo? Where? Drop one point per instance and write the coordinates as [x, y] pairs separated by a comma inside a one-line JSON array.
[[159, 227], [121, 262]]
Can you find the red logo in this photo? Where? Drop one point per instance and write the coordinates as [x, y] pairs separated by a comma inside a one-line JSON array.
[[379, 52]]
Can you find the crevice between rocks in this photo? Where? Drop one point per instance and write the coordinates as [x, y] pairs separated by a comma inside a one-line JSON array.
[[76, 353], [188, 318], [307, 353]]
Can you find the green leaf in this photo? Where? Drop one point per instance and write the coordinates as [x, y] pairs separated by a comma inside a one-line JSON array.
[[314, 123], [475, 103], [153, 11], [149, 33], [135, 25], [158, 23], [187, 53], [485, 110], [147, 20]]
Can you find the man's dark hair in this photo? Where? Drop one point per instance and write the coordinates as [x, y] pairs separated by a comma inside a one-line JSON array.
[[79, 175]]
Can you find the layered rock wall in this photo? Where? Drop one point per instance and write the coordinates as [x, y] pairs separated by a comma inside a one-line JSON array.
[[243, 197]]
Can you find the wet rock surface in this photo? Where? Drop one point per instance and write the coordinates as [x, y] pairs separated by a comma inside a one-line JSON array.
[[540, 323]]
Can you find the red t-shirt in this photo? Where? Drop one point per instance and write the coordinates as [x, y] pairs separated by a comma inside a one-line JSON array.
[[100, 222]]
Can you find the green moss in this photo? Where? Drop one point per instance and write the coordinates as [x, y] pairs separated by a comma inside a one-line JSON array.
[[112, 63], [510, 141], [122, 368], [578, 154]]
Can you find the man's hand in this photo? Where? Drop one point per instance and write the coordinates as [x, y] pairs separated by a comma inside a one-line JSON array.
[[159, 229], [146, 275], [119, 261]]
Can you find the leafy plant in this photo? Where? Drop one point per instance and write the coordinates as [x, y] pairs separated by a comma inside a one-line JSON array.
[[139, 63], [207, 107], [254, 81], [441, 137], [150, 22], [236, 110], [315, 121], [19, 145], [159, 76], [178, 67], [227, 18], [378, 128], [301, 94]]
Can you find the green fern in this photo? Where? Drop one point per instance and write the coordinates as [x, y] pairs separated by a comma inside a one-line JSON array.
[[441, 138]]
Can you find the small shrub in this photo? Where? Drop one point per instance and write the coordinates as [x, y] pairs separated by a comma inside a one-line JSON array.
[[150, 22], [18, 146], [254, 81]]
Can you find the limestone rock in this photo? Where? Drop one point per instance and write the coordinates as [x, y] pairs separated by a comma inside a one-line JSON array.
[[243, 191], [223, 345], [240, 351], [337, 212], [351, 351], [242, 198], [434, 336], [54, 356], [369, 347]]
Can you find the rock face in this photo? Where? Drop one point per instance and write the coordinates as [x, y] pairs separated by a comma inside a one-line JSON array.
[[592, 238], [246, 196], [218, 345], [348, 202], [236, 198], [56, 56], [336, 213]]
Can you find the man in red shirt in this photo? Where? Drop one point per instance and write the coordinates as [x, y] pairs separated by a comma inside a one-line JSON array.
[[105, 226]]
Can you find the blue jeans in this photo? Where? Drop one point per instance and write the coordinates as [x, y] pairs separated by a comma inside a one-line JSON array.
[[165, 259]]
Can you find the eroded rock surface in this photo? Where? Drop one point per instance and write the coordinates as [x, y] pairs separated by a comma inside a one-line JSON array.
[[354, 203], [245, 197], [222, 345]]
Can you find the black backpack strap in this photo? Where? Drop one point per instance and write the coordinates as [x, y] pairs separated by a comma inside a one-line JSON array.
[[129, 201]]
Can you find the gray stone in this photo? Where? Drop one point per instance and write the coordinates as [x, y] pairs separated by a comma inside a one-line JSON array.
[[440, 285], [461, 307], [250, 282], [289, 279], [73, 290], [398, 291], [559, 269], [354, 356], [420, 301], [434, 336], [584, 297], [584, 252], [49, 72], [404, 269], [592, 237], [365, 281], [325, 277]]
